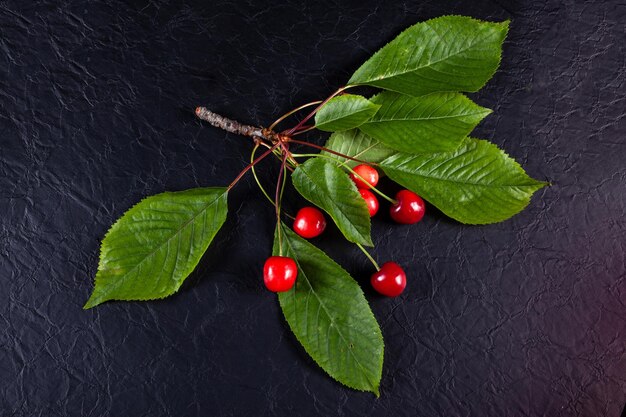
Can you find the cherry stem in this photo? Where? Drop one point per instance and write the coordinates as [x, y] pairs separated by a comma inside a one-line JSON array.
[[321, 148], [376, 190], [304, 129], [256, 178], [284, 171], [258, 182], [279, 195], [252, 164], [368, 256], [297, 109], [303, 121]]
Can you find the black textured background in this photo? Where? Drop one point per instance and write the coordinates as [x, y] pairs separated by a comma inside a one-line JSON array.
[[522, 318]]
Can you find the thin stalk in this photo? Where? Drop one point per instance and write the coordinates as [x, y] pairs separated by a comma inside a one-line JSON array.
[[282, 187], [284, 116], [281, 177], [369, 256], [252, 164], [286, 158], [306, 119], [304, 130], [376, 190], [262, 143], [291, 163], [321, 148], [258, 182]]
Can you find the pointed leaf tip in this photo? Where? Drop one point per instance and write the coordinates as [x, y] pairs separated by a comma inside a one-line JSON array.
[[448, 53], [154, 246], [329, 315], [477, 183]]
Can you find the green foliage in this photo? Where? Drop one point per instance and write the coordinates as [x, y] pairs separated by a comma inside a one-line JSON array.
[[358, 145], [344, 112], [431, 123], [416, 133], [154, 246], [328, 187], [330, 316], [449, 53], [476, 183]]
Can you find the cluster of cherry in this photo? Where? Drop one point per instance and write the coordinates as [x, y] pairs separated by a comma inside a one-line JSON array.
[[280, 272]]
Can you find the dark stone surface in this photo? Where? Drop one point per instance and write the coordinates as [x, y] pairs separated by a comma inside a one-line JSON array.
[[522, 318]]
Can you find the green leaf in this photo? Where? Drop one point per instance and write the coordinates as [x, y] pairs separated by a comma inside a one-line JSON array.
[[329, 315], [328, 187], [476, 183], [358, 145], [431, 123], [449, 53], [154, 246], [344, 112]]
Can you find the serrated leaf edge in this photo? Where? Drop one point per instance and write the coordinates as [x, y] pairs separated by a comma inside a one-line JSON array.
[[534, 184], [372, 106], [376, 386], [505, 23], [480, 110], [92, 303]]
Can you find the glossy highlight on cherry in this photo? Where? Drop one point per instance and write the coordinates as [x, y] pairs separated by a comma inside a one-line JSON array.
[[409, 209], [279, 273], [390, 280], [371, 201], [309, 222], [367, 176], [388, 133]]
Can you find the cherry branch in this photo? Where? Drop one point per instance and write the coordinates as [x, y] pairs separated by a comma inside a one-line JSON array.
[[229, 125]]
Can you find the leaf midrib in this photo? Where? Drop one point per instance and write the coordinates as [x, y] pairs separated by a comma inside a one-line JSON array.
[[535, 184], [332, 321], [357, 154], [406, 71], [418, 119], [363, 151], [166, 242]]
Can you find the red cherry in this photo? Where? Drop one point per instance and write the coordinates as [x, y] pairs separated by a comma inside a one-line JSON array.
[[369, 175], [390, 280], [279, 273], [371, 201], [309, 222], [409, 208]]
